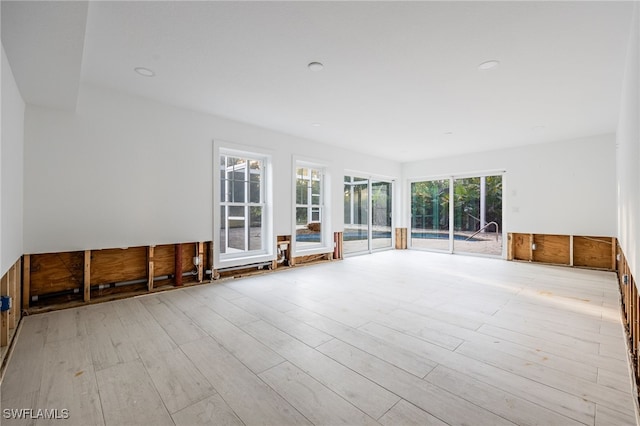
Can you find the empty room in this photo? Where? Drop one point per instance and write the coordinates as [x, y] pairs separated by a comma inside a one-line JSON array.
[[319, 213]]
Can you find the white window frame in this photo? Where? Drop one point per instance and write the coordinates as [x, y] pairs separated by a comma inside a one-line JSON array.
[[267, 250], [326, 237], [370, 179]]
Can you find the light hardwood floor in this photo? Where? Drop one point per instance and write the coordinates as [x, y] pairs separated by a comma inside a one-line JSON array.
[[393, 338]]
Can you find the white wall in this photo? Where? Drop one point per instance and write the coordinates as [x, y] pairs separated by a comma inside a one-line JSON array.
[[125, 171], [628, 153], [564, 187], [11, 159]]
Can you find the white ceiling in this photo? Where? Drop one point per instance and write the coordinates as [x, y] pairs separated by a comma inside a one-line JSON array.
[[398, 76]]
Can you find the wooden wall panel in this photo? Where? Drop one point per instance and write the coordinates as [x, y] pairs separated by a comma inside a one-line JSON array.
[[521, 246], [164, 260], [189, 251], [552, 249], [593, 252], [117, 265], [55, 272]]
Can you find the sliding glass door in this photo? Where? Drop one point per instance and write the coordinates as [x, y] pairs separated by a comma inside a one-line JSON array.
[[356, 215], [430, 215], [381, 215], [476, 212], [367, 215]]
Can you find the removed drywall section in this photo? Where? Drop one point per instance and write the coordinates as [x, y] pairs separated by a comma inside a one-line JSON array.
[[11, 155], [628, 152], [125, 171], [564, 187]]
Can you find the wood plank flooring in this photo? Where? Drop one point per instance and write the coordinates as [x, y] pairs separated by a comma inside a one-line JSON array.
[[393, 338]]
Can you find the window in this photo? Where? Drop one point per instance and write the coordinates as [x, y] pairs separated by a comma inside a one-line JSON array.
[[243, 228], [311, 224], [367, 214]]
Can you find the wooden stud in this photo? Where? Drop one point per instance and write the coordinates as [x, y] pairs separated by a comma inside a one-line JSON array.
[[636, 325], [571, 253], [510, 246], [87, 275], [614, 252], [201, 262], [150, 270], [18, 291], [26, 281], [12, 293], [531, 243]]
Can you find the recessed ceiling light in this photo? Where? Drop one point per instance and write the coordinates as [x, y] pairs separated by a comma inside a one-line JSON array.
[[315, 66], [316, 124], [448, 133], [146, 72], [488, 65]]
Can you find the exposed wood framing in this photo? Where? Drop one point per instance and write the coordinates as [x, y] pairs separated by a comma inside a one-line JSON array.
[[150, 270], [57, 272], [401, 238], [4, 316], [26, 281], [593, 252], [510, 248], [630, 309], [164, 262], [178, 266], [118, 265], [9, 319], [571, 252], [521, 246], [551, 249], [532, 241], [200, 262], [17, 312], [338, 241], [299, 260], [568, 250], [286, 252], [87, 275]]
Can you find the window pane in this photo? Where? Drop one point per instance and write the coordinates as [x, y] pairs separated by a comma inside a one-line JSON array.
[[430, 214], [255, 228], [254, 192], [315, 215], [301, 191], [236, 212], [222, 183], [236, 234], [238, 192], [234, 161], [301, 216], [315, 192]]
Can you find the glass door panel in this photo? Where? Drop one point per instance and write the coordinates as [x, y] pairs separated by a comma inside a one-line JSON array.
[[430, 214], [381, 215], [478, 215], [356, 215]]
